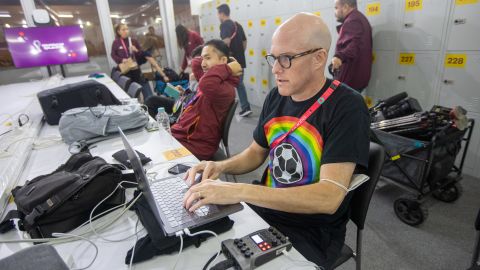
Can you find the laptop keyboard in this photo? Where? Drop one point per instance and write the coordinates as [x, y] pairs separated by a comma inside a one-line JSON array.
[[169, 194]]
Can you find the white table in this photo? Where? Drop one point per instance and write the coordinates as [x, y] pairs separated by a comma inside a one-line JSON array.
[[112, 255]]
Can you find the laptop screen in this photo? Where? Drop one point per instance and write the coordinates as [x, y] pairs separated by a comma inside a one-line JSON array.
[[134, 161]]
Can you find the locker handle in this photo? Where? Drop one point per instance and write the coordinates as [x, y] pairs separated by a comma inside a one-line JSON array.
[[460, 21], [408, 25], [448, 81], [401, 77]]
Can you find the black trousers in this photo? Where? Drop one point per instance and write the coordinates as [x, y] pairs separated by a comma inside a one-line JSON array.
[[315, 244], [136, 76], [155, 102]]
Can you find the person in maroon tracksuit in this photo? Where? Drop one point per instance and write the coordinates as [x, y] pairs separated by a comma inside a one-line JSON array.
[[352, 62], [199, 128], [187, 40]]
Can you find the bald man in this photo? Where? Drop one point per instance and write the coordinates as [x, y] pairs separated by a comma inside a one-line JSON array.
[[303, 190]]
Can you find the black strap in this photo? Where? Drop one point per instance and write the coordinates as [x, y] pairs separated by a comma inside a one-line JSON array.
[[56, 200], [7, 222]]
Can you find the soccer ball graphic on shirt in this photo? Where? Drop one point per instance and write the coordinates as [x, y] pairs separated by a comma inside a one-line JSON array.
[[287, 166]]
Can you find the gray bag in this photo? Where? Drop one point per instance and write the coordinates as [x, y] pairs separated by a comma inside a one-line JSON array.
[[89, 122]]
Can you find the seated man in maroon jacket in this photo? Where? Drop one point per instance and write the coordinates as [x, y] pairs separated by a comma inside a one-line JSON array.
[[199, 128]]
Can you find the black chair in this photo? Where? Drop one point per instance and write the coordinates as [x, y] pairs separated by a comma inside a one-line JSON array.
[[115, 74], [134, 90], [224, 152], [39, 257], [476, 250], [360, 202], [124, 82]]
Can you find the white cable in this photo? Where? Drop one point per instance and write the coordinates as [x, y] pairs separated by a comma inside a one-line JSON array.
[[15, 141], [187, 232], [46, 142], [299, 263], [85, 239], [59, 240], [94, 208], [134, 245], [179, 234]]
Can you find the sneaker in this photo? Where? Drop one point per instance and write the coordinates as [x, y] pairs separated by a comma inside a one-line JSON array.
[[245, 113]]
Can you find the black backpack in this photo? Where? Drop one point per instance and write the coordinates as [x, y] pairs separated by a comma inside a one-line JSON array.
[[62, 200]]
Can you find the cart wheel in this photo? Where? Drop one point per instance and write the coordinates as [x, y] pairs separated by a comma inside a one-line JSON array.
[[410, 211], [448, 194]]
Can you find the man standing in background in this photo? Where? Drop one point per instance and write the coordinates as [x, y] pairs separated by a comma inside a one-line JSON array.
[[352, 62], [233, 35]]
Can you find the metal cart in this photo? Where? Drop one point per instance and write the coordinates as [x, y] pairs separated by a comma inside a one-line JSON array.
[[424, 167]]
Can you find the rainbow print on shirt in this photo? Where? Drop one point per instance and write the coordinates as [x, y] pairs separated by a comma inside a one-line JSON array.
[[296, 160]]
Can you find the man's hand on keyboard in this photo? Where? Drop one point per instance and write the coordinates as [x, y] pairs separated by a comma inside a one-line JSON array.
[[211, 192], [210, 169]]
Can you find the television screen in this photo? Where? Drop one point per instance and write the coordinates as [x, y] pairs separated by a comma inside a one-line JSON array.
[[49, 45]]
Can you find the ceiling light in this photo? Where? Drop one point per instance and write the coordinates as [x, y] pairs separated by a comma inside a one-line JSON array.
[[123, 21], [65, 15], [5, 15], [88, 23], [114, 16], [7, 25]]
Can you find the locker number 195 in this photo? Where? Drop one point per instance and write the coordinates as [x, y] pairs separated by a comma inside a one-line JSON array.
[[411, 5]]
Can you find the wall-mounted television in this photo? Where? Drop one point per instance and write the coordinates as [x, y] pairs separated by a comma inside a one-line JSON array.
[[47, 45]]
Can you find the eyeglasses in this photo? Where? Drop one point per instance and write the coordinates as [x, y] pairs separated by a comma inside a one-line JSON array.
[[285, 61]]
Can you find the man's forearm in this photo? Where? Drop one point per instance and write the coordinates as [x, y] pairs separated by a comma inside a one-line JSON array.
[[245, 162], [319, 198]]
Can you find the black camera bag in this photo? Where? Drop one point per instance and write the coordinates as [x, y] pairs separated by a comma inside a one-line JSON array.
[[62, 200], [88, 93]]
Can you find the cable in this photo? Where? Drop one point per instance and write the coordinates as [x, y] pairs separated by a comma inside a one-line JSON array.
[[85, 239], [94, 208], [205, 267], [299, 263], [187, 232], [179, 234], [59, 240], [134, 245], [46, 142], [223, 265], [15, 141]]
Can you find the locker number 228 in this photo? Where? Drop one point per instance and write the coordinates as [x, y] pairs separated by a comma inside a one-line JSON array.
[[455, 60]]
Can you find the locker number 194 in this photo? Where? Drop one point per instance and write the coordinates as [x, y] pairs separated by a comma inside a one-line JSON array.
[[373, 9]]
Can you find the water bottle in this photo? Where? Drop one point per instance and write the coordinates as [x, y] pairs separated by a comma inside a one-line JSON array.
[[163, 119]]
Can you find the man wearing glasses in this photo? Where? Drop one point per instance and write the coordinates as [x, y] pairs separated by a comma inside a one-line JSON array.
[[314, 132]]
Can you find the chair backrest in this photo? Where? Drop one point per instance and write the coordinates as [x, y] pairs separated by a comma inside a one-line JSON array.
[[124, 82], [477, 221], [228, 122], [134, 90], [115, 74], [363, 194]]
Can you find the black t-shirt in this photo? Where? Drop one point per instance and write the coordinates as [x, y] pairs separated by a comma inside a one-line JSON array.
[[227, 29], [336, 132]]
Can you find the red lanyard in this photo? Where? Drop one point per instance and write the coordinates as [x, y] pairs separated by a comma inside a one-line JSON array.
[[309, 112], [125, 47]]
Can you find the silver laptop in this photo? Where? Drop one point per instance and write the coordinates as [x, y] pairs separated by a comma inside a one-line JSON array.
[[165, 197]]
